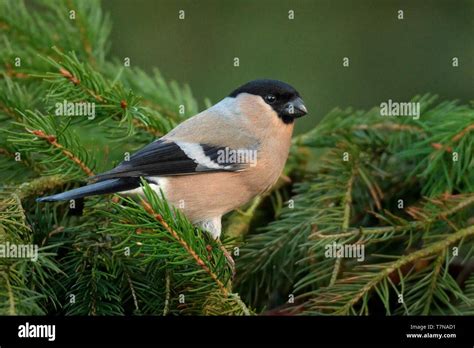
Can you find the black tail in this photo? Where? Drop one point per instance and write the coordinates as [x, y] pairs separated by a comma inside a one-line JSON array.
[[99, 188]]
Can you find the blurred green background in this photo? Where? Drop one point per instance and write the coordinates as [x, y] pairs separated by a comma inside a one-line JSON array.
[[389, 58]]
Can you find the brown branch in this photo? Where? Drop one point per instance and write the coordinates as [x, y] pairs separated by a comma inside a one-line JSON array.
[[53, 141], [455, 139], [12, 73], [184, 244], [462, 133], [441, 147], [71, 77]]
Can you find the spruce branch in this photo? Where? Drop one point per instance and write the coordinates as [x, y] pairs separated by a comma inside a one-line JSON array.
[[438, 264], [42, 134], [183, 243], [54, 142], [347, 292]]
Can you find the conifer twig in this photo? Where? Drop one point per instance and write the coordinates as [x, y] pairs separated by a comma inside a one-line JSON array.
[[185, 245], [345, 222], [462, 133], [123, 104], [433, 249], [53, 141], [437, 269], [74, 80]]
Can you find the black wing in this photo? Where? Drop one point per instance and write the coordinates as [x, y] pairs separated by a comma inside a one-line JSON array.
[[164, 158]]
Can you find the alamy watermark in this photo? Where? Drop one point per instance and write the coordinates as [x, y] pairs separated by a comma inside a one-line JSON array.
[[28, 330], [75, 109], [237, 156], [19, 251], [408, 109], [337, 250]]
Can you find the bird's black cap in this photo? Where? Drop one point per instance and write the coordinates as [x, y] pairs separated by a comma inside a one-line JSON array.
[[282, 97], [264, 87]]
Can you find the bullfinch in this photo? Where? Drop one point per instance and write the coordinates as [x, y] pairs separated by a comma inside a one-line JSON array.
[[215, 161]]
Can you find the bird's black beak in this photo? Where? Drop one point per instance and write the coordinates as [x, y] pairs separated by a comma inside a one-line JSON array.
[[295, 108]]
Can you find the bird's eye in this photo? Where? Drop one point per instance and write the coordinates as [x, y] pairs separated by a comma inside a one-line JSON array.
[[270, 98]]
